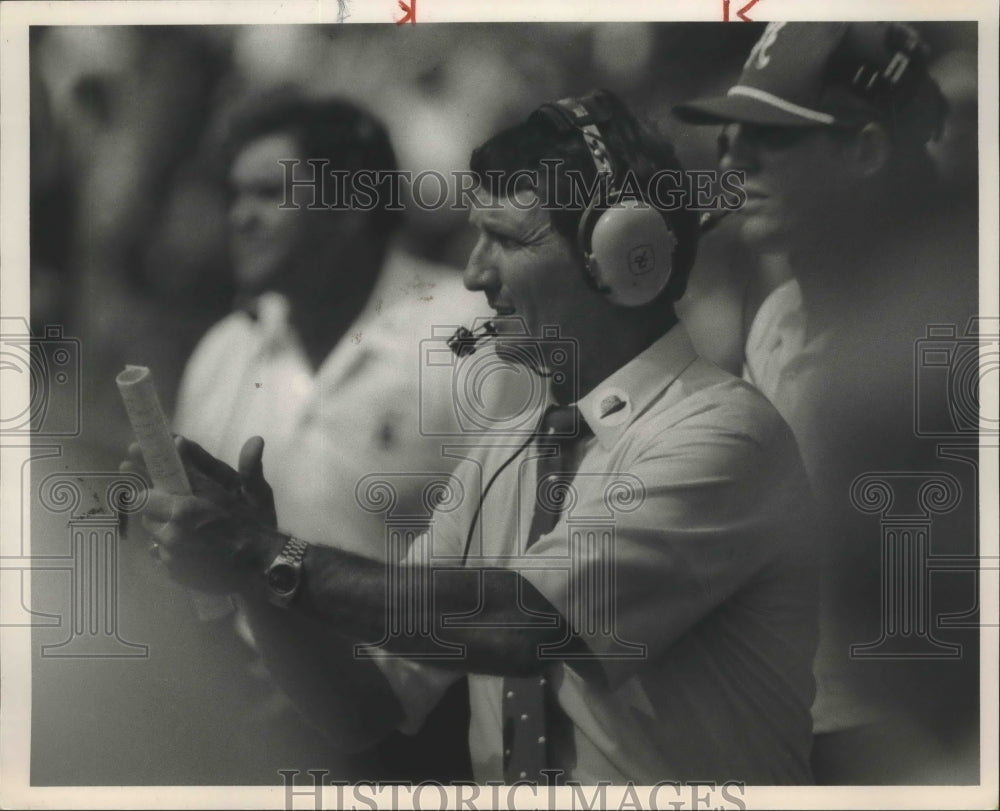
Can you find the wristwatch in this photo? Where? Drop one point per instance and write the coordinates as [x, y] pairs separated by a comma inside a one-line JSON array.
[[284, 575]]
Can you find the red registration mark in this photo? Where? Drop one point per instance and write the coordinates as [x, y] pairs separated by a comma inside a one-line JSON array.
[[410, 11], [740, 12]]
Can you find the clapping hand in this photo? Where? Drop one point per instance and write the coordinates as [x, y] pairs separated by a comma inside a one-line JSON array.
[[223, 535]]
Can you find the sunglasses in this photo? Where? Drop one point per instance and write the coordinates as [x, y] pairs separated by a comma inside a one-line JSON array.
[[771, 137]]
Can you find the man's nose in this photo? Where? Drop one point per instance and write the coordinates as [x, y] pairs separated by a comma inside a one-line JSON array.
[[241, 214], [736, 150], [480, 270]]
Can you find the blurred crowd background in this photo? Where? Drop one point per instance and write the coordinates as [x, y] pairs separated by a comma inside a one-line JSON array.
[[129, 254], [128, 237]]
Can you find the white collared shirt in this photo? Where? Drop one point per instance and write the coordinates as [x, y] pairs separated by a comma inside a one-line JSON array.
[[783, 363], [369, 408], [689, 500], [794, 373]]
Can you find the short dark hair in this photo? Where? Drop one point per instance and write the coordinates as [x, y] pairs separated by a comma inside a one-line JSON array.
[[335, 130], [634, 147]]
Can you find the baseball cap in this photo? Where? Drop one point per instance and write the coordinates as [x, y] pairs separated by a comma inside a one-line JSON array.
[[830, 74]]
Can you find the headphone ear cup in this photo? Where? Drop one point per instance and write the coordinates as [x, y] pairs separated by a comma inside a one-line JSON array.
[[631, 254]]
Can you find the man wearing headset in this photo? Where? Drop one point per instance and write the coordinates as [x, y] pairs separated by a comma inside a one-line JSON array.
[[629, 587], [829, 122]]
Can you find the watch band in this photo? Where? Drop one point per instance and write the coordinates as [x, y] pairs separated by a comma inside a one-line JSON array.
[[284, 576]]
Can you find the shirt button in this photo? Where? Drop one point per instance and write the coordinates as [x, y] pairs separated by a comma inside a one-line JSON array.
[[543, 681], [524, 716], [507, 752], [510, 694], [541, 739], [523, 775]]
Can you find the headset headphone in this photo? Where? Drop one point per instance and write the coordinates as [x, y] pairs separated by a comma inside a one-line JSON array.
[[627, 244]]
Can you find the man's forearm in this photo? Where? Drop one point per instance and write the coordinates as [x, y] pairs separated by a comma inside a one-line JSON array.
[[355, 595], [344, 696]]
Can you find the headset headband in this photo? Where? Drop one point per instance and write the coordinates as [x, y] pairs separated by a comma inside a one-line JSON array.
[[627, 246], [583, 115]]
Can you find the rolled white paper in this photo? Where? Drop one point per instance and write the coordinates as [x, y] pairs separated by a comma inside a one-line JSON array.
[[150, 427], [138, 392]]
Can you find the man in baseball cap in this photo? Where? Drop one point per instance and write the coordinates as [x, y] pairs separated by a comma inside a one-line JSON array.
[[829, 124], [821, 112], [829, 74]]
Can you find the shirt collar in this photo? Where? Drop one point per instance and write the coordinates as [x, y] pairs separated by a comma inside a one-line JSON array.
[[613, 405], [270, 313], [274, 333]]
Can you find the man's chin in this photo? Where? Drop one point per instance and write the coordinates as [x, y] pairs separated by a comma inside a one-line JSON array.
[[763, 230], [515, 345], [254, 279], [521, 347], [510, 324]]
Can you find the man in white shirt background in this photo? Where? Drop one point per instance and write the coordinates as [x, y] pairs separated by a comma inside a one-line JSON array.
[[859, 252], [321, 359]]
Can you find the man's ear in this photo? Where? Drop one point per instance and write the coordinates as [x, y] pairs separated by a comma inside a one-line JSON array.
[[871, 149]]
